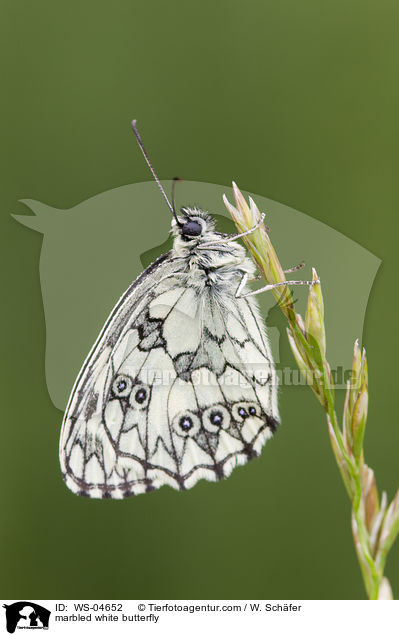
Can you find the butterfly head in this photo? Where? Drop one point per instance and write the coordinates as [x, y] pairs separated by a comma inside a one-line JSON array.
[[194, 225], [196, 239]]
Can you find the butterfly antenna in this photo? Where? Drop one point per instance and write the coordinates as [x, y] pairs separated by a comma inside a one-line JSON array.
[[143, 150], [175, 180]]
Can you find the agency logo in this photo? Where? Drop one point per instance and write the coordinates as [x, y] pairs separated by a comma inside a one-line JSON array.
[[26, 615], [93, 251]]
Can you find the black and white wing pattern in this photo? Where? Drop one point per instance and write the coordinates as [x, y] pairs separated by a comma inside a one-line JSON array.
[[178, 387]]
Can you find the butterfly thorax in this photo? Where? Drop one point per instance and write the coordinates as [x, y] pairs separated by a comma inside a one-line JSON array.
[[207, 256]]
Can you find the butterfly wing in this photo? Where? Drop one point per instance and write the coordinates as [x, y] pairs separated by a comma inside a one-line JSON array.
[[86, 452], [179, 386]]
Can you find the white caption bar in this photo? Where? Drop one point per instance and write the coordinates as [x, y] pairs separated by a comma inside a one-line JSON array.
[[197, 617]]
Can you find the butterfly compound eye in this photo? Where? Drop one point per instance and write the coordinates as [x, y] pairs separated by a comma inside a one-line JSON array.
[[191, 228]]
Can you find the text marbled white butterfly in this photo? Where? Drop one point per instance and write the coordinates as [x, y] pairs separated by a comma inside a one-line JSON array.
[[180, 384]]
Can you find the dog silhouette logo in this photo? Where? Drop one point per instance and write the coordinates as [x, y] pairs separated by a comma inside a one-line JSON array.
[[93, 251], [26, 615]]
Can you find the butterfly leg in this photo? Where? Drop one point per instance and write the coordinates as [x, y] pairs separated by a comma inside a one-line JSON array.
[[234, 237], [252, 229], [286, 271], [244, 280], [242, 284], [294, 269]]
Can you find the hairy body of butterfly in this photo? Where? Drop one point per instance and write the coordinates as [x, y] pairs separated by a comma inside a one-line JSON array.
[[180, 384]]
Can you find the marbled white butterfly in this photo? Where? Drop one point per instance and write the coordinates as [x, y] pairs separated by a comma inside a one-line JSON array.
[[180, 384]]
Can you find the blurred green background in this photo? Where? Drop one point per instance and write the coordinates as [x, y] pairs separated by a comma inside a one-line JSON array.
[[298, 101]]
